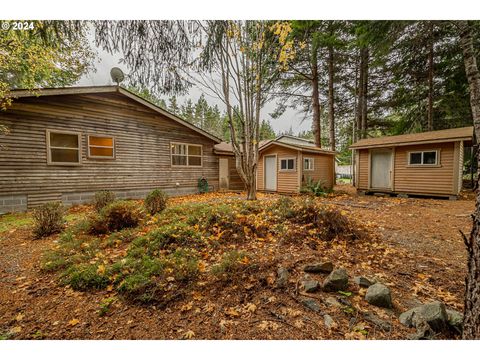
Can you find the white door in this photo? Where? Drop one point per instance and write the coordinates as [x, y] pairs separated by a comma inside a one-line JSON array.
[[381, 172], [271, 173], [223, 175]]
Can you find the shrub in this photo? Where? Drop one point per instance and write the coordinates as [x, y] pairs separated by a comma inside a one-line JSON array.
[[156, 201], [84, 277], [232, 262], [283, 207], [48, 219], [315, 188], [103, 198], [115, 216]]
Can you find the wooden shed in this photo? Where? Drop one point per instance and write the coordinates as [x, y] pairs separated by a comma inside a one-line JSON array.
[[65, 144], [428, 163]]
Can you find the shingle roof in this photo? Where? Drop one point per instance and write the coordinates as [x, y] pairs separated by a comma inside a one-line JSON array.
[[464, 133]]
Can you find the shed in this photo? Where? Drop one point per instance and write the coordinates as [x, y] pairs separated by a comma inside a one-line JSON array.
[[428, 163]]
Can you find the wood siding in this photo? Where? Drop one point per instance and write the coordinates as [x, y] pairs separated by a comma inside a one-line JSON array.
[[287, 181], [429, 180], [323, 169], [142, 147]]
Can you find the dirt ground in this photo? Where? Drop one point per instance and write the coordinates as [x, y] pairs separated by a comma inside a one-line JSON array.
[[418, 252]]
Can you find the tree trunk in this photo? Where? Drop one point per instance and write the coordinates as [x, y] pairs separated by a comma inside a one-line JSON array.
[[430, 80], [316, 127], [331, 99], [471, 321], [362, 94]]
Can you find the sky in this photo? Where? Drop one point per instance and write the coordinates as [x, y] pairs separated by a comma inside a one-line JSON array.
[[291, 118]]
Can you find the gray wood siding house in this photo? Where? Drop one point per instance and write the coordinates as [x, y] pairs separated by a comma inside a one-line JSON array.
[[66, 144]]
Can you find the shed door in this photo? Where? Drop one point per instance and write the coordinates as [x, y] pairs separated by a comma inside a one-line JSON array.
[[271, 173], [381, 162], [223, 175]]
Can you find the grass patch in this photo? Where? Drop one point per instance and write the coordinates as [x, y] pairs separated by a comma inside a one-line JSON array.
[[15, 221]]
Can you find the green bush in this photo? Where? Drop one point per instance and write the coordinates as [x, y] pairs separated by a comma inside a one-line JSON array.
[[156, 201], [84, 277], [232, 262], [118, 215], [315, 188], [48, 219], [103, 198]]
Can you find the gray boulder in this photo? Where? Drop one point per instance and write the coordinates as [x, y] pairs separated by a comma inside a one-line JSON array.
[[282, 277], [362, 281], [379, 295], [380, 323], [336, 281], [331, 301], [329, 322], [311, 304], [455, 320], [322, 267], [310, 285], [434, 314]]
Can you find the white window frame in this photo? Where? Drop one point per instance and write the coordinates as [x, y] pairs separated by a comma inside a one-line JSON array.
[[437, 158], [286, 159], [49, 147], [172, 144], [311, 160], [99, 146]]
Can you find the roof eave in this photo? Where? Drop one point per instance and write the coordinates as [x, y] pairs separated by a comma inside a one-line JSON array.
[[419, 142]]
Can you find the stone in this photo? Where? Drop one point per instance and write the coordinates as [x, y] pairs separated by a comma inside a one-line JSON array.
[[282, 277], [433, 313], [331, 301], [374, 319], [424, 331], [322, 267], [362, 281], [336, 281], [329, 322], [310, 285], [311, 304], [379, 295], [455, 320]]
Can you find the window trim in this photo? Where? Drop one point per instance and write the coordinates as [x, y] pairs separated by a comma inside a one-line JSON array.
[[288, 170], [313, 163], [113, 147], [437, 158], [187, 155], [49, 147]]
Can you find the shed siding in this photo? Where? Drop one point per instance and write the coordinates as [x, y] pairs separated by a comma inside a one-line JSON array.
[[142, 147], [425, 180], [363, 169], [287, 181], [323, 169]]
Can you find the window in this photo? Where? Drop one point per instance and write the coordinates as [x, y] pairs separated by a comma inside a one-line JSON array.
[[423, 158], [308, 164], [63, 148], [186, 154], [101, 147], [287, 164]]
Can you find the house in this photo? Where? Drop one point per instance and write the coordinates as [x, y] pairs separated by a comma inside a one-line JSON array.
[[285, 165], [428, 163], [66, 144]]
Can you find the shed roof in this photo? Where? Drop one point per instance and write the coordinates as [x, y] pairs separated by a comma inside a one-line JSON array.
[[289, 141], [110, 89], [429, 137]]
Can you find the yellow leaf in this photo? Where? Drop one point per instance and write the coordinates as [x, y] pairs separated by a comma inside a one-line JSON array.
[[251, 307], [232, 312], [19, 317], [189, 334], [101, 269], [74, 322], [16, 330]]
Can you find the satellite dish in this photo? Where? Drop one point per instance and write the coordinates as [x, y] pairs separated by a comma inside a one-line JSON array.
[[117, 75]]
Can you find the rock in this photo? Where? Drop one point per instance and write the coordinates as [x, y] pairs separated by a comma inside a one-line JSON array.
[[282, 277], [455, 320], [424, 331], [310, 285], [329, 322], [379, 295], [331, 301], [337, 280], [311, 304], [362, 281], [325, 267], [374, 319], [433, 313]]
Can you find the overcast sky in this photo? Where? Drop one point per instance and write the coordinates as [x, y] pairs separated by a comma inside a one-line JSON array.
[[290, 118]]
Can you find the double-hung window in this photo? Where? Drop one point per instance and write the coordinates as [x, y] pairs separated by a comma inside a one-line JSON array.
[[63, 148], [307, 164], [186, 154], [102, 147]]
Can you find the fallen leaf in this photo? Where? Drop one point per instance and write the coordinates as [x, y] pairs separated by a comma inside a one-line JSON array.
[[74, 322], [189, 335]]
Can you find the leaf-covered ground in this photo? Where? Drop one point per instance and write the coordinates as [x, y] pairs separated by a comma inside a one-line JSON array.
[[206, 268]]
